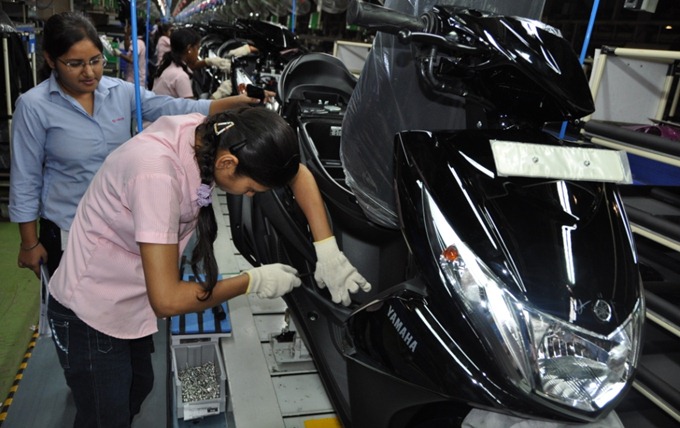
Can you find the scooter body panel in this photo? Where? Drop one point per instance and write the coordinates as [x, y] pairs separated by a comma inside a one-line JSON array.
[[561, 245], [524, 66], [427, 338]]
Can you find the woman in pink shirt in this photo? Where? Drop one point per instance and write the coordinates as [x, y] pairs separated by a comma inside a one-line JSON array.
[[163, 41], [174, 74], [120, 269]]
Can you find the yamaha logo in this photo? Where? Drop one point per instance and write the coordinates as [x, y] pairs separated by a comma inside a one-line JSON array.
[[602, 310], [402, 331]]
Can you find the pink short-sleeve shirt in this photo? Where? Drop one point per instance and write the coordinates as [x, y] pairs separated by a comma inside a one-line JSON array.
[[145, 191], [162, 47], [174, 82]]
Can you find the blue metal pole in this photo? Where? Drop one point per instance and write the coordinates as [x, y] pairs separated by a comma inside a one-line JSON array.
[[135, 62], [589, 31], [584, 48]]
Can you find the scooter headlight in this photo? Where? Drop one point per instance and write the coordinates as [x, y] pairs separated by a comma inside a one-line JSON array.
[[579, 368], [538, 352]]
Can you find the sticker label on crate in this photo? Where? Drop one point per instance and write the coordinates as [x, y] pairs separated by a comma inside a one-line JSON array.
[[199, 411]]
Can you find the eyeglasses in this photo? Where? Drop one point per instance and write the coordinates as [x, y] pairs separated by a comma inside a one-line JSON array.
[[79, 64]]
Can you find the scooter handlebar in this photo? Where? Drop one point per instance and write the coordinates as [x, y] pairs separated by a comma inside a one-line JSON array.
[[380, 18]]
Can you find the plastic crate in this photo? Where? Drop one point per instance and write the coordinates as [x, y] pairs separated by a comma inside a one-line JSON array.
[[195, 355]]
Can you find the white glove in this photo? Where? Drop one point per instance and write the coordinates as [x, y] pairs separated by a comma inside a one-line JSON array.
[[239, 52], [108, 49], [224, 90], [334, 271], [223, 64], [271, 281]]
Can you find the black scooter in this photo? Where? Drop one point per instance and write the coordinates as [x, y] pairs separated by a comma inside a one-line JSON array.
[[512, 282], [276, 46]]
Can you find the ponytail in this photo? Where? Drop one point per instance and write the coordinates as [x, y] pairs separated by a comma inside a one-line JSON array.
[[268, 153], [203, 257]]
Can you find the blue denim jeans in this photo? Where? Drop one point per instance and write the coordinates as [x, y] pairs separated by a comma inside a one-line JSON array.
[[109, 378]]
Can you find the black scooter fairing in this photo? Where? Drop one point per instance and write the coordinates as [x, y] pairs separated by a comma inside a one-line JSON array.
[[523, 67], [549, 240], [428, 340]]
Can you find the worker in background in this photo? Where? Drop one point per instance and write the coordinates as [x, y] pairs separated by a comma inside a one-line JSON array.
[[159, 43], [155, 27], [162, 38], [127, 55], [174, 75]]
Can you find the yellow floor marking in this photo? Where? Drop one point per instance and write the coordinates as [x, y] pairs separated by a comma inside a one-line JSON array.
[[323, 423]]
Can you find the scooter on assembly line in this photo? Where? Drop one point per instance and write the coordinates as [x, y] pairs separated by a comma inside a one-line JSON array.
[[511, 284], [276, 46]]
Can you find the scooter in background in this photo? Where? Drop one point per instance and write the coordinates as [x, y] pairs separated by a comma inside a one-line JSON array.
[[276, 46], [512, 283]]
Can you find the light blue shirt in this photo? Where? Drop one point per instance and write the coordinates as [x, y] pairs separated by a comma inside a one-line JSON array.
[[57, 147]]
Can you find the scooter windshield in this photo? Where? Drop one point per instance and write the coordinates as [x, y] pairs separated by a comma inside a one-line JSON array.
[[388, 99]]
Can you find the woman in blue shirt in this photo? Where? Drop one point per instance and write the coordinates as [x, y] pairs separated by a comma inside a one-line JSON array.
[[64, 128]]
